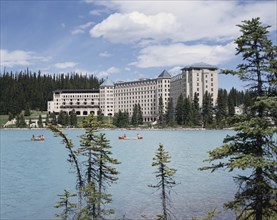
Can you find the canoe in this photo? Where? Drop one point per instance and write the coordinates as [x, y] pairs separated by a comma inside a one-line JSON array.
[[37, 139], [130, 138]]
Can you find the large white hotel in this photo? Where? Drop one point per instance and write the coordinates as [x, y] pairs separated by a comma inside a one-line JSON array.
[[112, 97]]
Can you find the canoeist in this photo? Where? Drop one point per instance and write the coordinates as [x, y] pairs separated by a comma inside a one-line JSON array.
[[39, 138]]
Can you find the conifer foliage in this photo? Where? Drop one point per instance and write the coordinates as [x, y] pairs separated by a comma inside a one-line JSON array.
[[68, 207], [97, 174], [164, 175], [253, 147]]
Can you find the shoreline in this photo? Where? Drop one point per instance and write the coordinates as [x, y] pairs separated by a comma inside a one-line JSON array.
[[127, 129]]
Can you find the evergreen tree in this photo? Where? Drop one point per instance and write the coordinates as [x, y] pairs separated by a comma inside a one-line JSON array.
[[253, 146], [195, 111], [170, 113], [11, 117], [20, 89], [63, 118], [47, 119], [207, 110], [180, 110], [73, 159], [121, 119], [106, 174], [27, 110], [140, 115], [134, 119], [40, 125], [68, 207], [99, 174], [187, 112], [221, 108], [73, 118], [161, 111], [20, 121], [125, 121], [30, 122], [231, 102], [164, 175], [53, 117]]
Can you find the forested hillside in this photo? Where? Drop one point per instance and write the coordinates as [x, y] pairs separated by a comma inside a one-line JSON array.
[[27, 90]]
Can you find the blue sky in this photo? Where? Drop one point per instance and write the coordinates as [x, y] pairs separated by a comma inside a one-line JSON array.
[[125, 40]]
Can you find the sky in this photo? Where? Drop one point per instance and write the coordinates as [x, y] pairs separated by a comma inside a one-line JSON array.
[[126, 40]]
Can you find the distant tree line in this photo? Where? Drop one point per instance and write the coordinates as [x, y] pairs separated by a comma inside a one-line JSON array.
[[188, 113], [27, 90]]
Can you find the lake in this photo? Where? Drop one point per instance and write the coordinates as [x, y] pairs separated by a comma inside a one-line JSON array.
[[33, 173]]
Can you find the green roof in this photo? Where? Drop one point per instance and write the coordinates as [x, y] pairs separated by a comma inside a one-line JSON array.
[[200, 65], [107, 82], [164, 74]]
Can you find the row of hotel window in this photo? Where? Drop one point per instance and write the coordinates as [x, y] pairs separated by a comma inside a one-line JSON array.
[[80, 96]]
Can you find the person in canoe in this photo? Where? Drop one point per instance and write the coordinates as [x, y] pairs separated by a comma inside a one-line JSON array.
[[39, 138]]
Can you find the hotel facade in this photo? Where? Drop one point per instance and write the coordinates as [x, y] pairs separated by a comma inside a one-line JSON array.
[[112, 97]]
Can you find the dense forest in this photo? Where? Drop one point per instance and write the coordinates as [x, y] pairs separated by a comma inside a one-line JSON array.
[[27, 90]]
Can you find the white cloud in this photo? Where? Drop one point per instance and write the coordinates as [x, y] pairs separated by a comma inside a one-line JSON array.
[[105, 54], [180, 20], [135, 26], [82, 28], [175, 70], [20, 58], [65, 65], [181, 54], [110, 71]]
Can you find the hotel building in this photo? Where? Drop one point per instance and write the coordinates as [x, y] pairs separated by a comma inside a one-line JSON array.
[[83, 101], [197, 78], [112, 97]]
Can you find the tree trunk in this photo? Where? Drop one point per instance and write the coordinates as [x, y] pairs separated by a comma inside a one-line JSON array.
[[163, 193]]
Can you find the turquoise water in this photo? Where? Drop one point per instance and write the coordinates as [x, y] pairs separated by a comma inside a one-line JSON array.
[[33, 173]]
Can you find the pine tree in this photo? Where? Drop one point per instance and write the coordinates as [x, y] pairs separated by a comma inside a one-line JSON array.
[[232, 102], [221, 108], [68, 207], [27, 110], [73, 159], [161, 111], [195, 109], [11, 117], [207, 110], [187, 114], [170, 113], [140, 115], [40, 125], [99, 174], [73, 118], [164, 175], [134, 119], [253, 146], [106, 174], [53, 117], [180, 110], [20, 121]]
